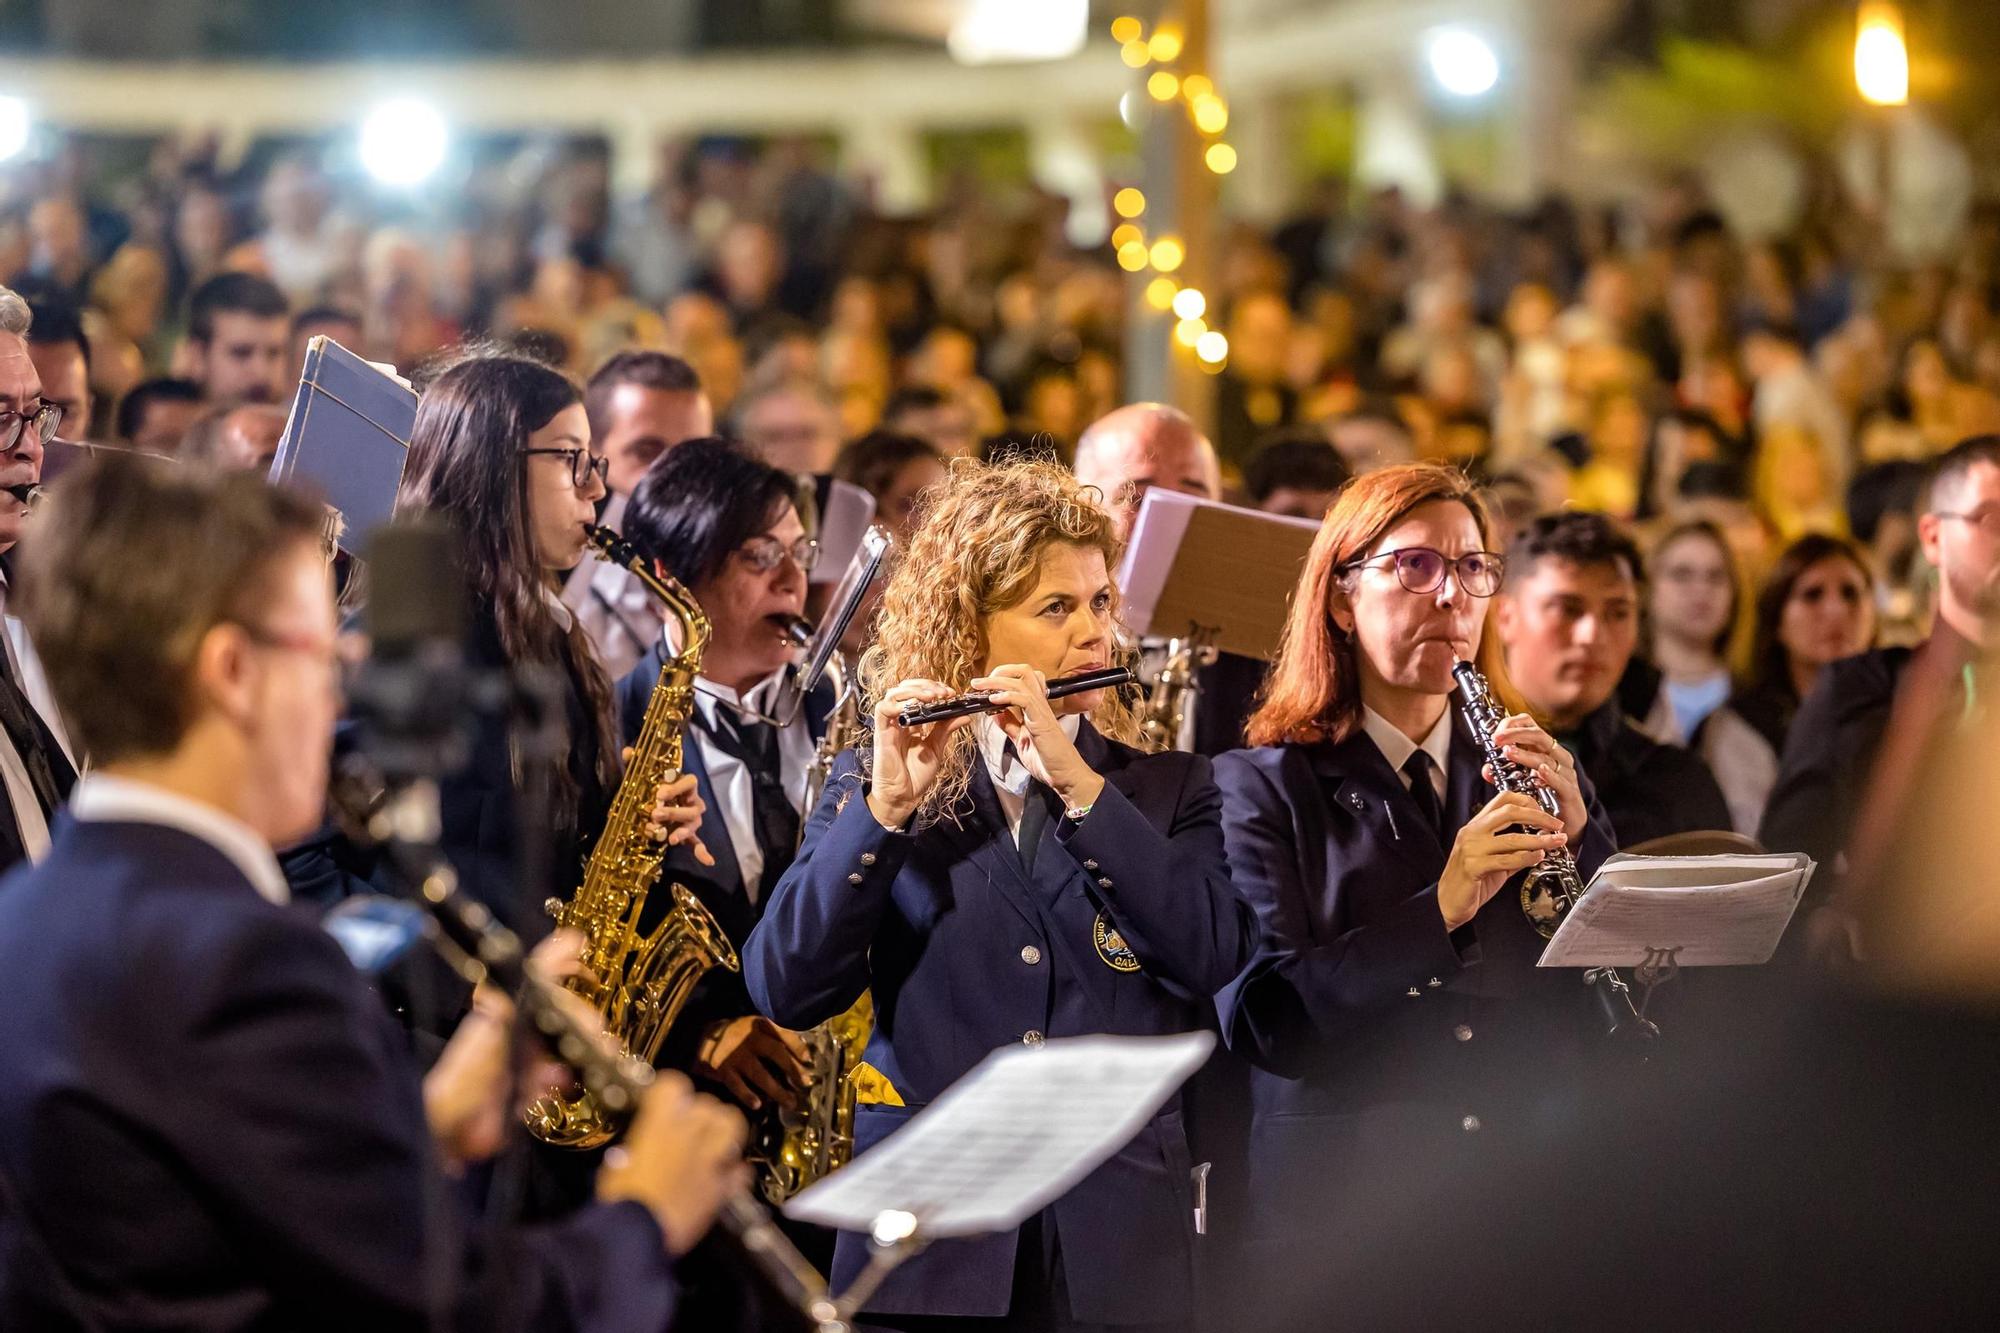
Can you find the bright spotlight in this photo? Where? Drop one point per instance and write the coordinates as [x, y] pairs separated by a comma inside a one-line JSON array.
[[403, 141], [996, 30], [1881, 57], [1462, 62], [14, 127]]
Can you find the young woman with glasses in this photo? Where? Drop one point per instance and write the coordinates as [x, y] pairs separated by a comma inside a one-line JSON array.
[[502, 448], [1393, 1011]]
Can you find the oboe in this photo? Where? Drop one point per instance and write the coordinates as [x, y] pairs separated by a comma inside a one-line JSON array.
[[1548, 890]]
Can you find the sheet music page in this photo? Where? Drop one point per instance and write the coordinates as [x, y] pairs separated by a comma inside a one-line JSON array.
[[1721, 922], [1156, 540], [1010, 1137]]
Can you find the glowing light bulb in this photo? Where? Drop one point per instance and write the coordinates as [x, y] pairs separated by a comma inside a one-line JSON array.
[[1129, 202], [1211, 114], [1166, 45], [1190, 303], [1163, 294], [1189, 332], [1221, 158], [1163, 85], [1212, 347], [1881, 57], [1132, 258], [1168, 254], [1127, 29]]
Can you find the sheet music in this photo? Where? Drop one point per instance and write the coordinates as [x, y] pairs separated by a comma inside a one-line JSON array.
[[1221, 566], [1010, 1137], [1156, 539], [1711, 911]]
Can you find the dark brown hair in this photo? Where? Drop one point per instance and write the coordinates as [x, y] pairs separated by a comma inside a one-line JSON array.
[[1770, 663], [132, 562]]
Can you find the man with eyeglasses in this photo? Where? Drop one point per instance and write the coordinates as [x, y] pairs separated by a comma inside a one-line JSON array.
[[1568, 617], [728, 526], [36, 772], [1864, 732]]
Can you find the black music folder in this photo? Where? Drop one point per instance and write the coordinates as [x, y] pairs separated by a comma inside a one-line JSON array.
[[346, 437]]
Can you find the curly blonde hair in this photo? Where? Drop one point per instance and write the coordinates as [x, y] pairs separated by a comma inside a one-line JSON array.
[[977, 549]]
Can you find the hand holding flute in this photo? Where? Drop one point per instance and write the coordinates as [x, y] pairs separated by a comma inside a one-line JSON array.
[[915, 719]]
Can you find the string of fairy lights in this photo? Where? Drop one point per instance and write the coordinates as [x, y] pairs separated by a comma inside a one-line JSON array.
[[1159, 51]]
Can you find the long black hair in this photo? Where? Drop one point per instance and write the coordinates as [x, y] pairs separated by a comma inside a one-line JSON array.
[[700, 501], [465, 463]]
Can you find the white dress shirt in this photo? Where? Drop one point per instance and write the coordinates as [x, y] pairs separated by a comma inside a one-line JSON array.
[[115, 800], [730, 778], [1010, 776], [1397, 748]]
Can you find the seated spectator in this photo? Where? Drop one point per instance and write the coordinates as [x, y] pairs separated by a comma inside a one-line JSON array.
[[934, 416], [896, 470], [1296, 473], [328, 321], [792, 426], [237, 344], [1816, 607], [1568, 617], [61, 353], [156, 415], [240, 438]]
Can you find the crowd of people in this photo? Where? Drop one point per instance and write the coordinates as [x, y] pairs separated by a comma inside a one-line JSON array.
[[1719, 519]]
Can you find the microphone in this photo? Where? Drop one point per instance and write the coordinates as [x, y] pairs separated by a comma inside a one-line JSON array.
[[979, 701]]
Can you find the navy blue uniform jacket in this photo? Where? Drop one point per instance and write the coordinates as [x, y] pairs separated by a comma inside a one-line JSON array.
[[1381, 1042], [966, 953], [209, 1122]]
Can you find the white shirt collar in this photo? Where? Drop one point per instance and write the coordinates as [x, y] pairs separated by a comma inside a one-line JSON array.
[[564, 616], [104, 798], [1009, 774], [1397, 748]]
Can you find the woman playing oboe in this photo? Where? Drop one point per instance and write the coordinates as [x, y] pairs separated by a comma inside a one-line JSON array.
[[1008, 877], [1393, 1009]]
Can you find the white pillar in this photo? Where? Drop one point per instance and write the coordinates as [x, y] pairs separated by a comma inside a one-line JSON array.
[[891, 158], [1393, 145], [1264, 186], [1064, 159]]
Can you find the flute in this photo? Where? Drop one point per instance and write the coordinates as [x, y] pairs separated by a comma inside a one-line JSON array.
[[979, 701]]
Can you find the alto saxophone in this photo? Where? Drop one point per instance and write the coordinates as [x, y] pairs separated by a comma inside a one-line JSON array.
[[637, 983], [1548, 890]]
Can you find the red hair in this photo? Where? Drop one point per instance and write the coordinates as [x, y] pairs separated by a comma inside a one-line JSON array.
[[1314, 690]]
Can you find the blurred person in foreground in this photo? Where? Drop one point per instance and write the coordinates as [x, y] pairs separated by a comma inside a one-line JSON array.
[[218, 1125], [1880, 1214], [1569, 620], [1855, 750]]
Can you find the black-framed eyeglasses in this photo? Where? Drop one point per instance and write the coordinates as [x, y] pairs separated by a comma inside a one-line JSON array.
[[582, 463], [1986, 517], [762, 554], [1421, 570], [46, 418]]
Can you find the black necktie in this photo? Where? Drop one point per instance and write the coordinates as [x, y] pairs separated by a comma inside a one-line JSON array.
[[1034, 818], [1417, 768], [771, 814], [48, 770]]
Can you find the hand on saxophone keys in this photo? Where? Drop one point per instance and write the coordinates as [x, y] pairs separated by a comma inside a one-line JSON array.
[[677, 813]]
